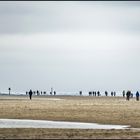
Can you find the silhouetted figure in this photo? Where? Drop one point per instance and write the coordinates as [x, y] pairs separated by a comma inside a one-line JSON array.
[[44, 92], [30, 94], [26, 93], [123, 93], [34, 92], [128, 93], [111, 93], [90, 93], [137, 96], [80, 93], [37, 92], [41, 92], [98, 93], [9, 90], [106, 93], [93, 93], [51, 91], [54, 93], [114, 93]]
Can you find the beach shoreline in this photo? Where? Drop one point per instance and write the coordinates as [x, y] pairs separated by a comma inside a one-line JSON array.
[[102, 110]]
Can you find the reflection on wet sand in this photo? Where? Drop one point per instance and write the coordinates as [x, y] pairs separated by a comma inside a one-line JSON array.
[[22, 123]]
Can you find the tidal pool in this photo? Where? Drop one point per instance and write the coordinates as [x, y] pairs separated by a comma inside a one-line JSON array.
[[23, 123]]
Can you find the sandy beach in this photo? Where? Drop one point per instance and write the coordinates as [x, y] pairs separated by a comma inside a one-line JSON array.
[[102, 110]]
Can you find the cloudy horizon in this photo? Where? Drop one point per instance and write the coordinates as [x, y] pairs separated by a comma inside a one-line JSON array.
[[70, 46]]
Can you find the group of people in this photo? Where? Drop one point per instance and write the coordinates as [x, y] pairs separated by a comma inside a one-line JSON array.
[[31, 93], [129, 95], [37, 92], [94, 93]]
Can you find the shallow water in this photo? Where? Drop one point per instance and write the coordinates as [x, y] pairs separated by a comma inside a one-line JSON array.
[[22, 123]]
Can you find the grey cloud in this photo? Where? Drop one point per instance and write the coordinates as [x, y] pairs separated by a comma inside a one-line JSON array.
[[34, 17], [69, 45]]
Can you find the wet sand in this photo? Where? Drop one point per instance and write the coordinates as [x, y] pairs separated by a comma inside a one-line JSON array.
[[102, 110]]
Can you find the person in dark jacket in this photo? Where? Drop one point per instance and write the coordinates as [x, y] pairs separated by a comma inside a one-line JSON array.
[[137, 96], [30, 94], [80, 92], [123, 93], [54, 93], [95, 93], [114, 93], [37, 92], [128, 93], [106, 93], [90, 93], [98, 93]]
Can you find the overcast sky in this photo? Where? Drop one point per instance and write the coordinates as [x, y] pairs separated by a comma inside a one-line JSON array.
[[69, 45]]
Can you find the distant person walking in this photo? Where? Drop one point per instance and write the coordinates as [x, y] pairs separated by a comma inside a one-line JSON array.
[[128, 95], [54, 93], [106, 93], [90, 93], [80, 93], [123, 93], [30, 94], [137, 96], [95, 93], [98, 93], [9, 90], [37, 92], [114, 93]]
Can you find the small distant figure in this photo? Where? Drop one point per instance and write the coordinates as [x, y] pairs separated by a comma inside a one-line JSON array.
[[106, 93], [9, 90], [54, 93], [80, 93], [44, 92], [51, 91], [37, 92], [111, 93], [26, 93], [93, 93], [137, 96], [114, 93], [123, 93], [34, 92], [98, 93], [90, 93], [128, 93], [30, 94], [41, 92]]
